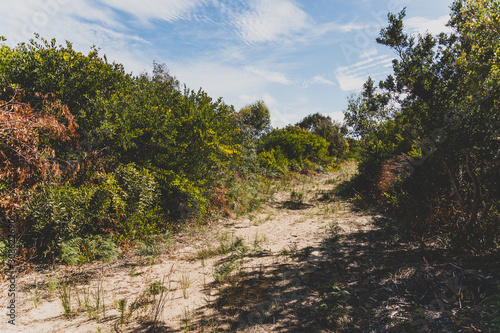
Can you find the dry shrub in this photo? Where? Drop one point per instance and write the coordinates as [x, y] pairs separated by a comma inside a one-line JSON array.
[[219, 201], [391, 171], [25, 155]]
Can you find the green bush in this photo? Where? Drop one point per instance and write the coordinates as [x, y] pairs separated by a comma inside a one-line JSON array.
[[297, 145], [329, 130], [274, 160], [123, 204], [93, 247], [431, 137]]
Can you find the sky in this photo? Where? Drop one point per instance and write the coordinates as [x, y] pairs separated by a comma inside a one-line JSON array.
[[298, 56]]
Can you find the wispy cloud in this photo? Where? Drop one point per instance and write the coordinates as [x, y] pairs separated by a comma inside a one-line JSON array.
[[268, 21], [421, 25], [321, 80], [351, 78], [79, 22], [317, 79], [270, 76], [339, 27], [146, 10]]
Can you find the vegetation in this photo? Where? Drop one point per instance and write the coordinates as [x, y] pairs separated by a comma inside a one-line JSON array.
[[95, 159], [430, 136], [95, 162]]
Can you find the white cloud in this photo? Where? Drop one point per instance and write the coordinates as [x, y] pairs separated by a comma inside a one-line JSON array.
[[317, 79], [421, 25], [78, 22], [337, 27], [268, 21], [351, 78], [350, 82], [321, 80], [145, 10], [277, 20], [270, 76], [218, 79], [368, 52]]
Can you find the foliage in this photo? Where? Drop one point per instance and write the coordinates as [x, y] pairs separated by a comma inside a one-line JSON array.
[[329, 130], [123, 204], [25, 150], [94, 158], [274, 160], [255, 119], [154, 244], [333, 304], [434, 157], [74, 78], [186, 140], [366, 111], [491, 305], [80, 250], [297, 145]]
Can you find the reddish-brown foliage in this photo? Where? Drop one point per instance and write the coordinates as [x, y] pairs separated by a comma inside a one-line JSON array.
[[219, 201], [25, 154], [391, 170]]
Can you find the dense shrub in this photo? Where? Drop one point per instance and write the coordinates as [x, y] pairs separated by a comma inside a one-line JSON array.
[[274, 160], [297, 145], [94, 157], [81, 250], [329, 130], [121, 204], [430, 138], [42, 66]]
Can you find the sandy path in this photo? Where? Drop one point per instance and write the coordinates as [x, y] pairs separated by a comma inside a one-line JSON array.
[[274, 237]]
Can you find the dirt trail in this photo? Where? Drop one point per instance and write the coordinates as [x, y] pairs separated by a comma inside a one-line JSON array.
[[278, 270]]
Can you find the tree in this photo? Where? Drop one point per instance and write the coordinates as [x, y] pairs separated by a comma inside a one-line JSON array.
[[364, 112], [329, 130], [255, 118], [441, 143]]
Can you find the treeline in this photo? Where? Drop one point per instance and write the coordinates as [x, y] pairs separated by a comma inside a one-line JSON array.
[[93, 159], [430, 133]]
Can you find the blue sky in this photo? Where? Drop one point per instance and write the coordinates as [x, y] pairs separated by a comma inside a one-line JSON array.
[[299, 56]]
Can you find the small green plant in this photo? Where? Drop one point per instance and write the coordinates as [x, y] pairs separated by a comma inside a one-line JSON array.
[[35, 294], [285, 252], [93, 301], [224, 270], [121, 305], [156, 288], [132, 272], [296, 200], [65, 297], [52, 284], [185, 284], [258, 240], [491, 306], [296, 197], [334, 230], [81, 250], [154, 245], [333, 305], [227, 243], [160, 297], [332, 243], [186, 320], [389, 233]]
